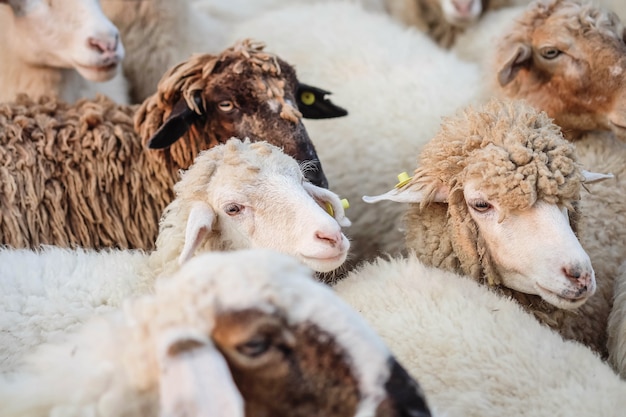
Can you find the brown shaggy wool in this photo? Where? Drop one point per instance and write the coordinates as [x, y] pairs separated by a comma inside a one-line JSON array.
[[79, 175]]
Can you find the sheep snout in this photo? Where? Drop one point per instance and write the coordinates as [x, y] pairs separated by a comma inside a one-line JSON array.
[[332, 239]]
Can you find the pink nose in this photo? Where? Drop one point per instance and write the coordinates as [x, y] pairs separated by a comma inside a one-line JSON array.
[[333, 239], [103, 45], [463, 6], [578, 275]]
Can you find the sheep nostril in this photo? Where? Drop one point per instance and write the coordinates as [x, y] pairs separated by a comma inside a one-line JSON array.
[[332, 239], [101, 45], [462, 6], [577, 275], [96, 44]]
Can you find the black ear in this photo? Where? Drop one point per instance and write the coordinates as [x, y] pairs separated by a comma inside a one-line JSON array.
[[405, 393], [313, 104], [176, 125]]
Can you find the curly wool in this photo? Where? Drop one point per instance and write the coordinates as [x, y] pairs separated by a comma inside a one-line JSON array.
[[530, 158], [519, 156], [246, 57]]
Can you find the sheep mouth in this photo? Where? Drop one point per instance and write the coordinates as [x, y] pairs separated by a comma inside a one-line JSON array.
[[564, 299], [98, 73], [324, 264]]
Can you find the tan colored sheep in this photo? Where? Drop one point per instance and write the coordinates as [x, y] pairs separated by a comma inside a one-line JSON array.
[[245, 333], [498, 190], [78, 175], [567, 58]]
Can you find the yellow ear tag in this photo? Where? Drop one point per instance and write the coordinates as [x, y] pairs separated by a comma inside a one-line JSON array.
[[307, 98], [344, 203], [404, 179]]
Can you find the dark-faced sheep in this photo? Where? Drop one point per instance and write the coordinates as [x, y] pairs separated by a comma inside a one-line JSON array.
[[496, 197], [245, 333], [78, 175]]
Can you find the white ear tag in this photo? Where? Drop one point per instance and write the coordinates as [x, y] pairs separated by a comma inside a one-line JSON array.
[[595, 176]]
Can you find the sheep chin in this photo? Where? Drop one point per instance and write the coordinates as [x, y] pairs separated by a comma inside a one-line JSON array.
[[323, 264], [559, 300]]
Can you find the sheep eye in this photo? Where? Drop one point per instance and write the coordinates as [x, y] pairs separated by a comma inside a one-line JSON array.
[[233, 209], [254, 347], [481, 206], [226, 106], [550, 53]]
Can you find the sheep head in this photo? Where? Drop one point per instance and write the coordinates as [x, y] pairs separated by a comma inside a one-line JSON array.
[[66, 34], [569, 59], [292, 346], [243, 92], [244, 195], [495, 188]]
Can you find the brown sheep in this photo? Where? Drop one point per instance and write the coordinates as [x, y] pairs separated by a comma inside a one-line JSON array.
[[78, 175], [568, 58]]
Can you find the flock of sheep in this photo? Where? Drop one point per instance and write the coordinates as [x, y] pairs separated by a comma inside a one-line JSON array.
[[173, 195]]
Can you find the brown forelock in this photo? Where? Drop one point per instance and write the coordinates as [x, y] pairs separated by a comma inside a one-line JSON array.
[[68, 174], [577, 94], [243, 74], [304, 373]]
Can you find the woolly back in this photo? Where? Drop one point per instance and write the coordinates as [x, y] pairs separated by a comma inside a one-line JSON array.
[[244, 70], [515, 154]]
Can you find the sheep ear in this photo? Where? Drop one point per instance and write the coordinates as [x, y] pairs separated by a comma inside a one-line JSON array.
[[408, 194], [591, 177], [177, 124], [189, 365], [405, 393], [313, 104], [331, 199], [199, 225], [519, 58]]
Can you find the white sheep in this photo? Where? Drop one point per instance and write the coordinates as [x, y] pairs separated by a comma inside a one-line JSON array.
[[67, 49], [83, 175], [476, 353], [495, 197], [236, 196], [245, 333], [396, 83]]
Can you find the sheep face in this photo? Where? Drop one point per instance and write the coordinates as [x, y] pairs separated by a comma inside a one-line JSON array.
[[66, 34], [244, 92], [292, 346], [493, 189], [257, 197], [534, 250], [569, 60], [461, 13]]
